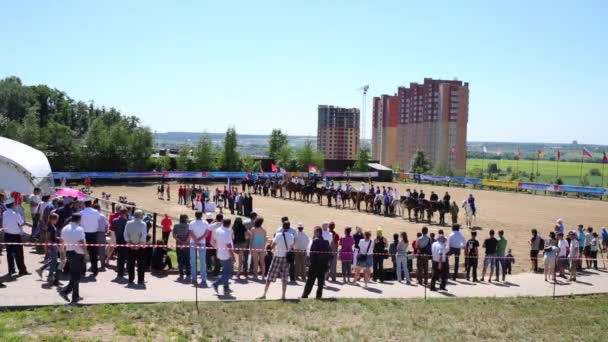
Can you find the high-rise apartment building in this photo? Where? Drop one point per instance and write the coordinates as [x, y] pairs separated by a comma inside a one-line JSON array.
[[338, 132], [432, 117], [385, 119]]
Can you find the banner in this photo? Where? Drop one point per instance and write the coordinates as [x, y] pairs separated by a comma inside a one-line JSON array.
[[334, 174], [359, 174], [540, 187], [584, 190], [465, 180], [430, 178], [500, 183]]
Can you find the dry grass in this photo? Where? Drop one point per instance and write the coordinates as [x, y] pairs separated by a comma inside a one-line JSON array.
[[543, 319]]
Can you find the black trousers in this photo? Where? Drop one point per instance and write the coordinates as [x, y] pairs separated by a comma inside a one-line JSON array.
[[440, 274], [471, 266], [122, 254], [378, 268], [137, 256], [14, 253], [91, 238], [76, 262], [166, 237], [456, 253], [422, 269], [315, 273]]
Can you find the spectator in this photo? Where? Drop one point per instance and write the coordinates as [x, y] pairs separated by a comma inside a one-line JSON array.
[[13, 223], [604, 238], [535, 247], [392, 251], [471, 253], [440, 251], [198, 232], [136, 234], [222, 241], [380, 253], [423, 244], [401, 259], [593, 249], [320, 256], [90, 224], [102, 232], [358, 236], [241, 235], [122, 253], [333, 264], [301, 242], [257, 244], [365, 258], [587, 246], [574, 254], [509, 261], [181, 234], [73, 237], [282, 244], [160, 258], [550, 259], [110, 248], [562, 254], [167, 224], [501, 251], [456, 242], [490, 244], [347, 243], [51, 264]]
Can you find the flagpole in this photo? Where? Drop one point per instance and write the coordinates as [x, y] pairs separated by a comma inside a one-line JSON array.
[[581, 174], [603, 167]]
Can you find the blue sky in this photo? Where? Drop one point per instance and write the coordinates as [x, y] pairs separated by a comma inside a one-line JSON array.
[[537, 69]]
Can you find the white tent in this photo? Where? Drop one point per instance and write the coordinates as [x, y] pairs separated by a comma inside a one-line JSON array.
[[23, 168]]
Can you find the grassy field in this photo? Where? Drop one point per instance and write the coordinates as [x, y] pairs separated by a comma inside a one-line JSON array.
[[569, 172], [540, 319]]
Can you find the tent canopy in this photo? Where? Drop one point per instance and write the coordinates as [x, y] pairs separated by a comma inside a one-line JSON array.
[[23, 168]]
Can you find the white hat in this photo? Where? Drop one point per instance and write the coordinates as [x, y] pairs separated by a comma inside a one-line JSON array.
[[559, 220], [300, 225]]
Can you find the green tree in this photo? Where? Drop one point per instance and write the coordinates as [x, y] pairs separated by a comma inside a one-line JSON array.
[[250, 164], [29, 132], [204, 154], [420, 164], [59, 146], [362, 159], [308, 155], [230, 159], [183, 161], [443, 170], [139, 148], [276, 142], [163, 163], [284, 157]]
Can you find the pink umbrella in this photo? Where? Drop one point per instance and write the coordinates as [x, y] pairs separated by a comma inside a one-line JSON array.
[[69, 192]]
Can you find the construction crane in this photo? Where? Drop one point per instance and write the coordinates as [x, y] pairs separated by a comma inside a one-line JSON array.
[[363, 89]]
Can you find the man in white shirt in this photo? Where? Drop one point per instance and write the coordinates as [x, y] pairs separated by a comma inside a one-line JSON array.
[[136, 233], [73, 237], [13, 223], [35, 201], [574, 254], [363, 189], [282, 244], [301, 242], [222, 241], [198, 232], [102, 232], [90, 223], [440, 262], [456, 242], [562, 255]]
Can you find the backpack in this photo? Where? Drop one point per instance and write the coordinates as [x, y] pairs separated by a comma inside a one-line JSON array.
[[541, 245]]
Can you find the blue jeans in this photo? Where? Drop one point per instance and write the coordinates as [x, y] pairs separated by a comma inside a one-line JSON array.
[[226, 274], [52, 262], [202, 259]]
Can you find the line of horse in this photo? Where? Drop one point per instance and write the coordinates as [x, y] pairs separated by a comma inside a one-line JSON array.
[[309, 192]]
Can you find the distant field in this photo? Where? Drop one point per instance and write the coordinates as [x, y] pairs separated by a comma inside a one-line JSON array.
[[505, 319], [568, 171]]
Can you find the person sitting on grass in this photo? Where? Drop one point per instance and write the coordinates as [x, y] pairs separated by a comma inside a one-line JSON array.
[[160, 258]]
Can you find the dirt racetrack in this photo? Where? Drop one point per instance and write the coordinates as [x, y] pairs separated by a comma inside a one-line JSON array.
[[514, 213]]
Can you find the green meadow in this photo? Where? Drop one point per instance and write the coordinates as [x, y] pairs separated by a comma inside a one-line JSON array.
[[544, 171]]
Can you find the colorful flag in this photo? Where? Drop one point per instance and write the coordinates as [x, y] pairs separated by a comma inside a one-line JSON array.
[[273, 168], [453, 150], [605, 160], [586, 153], [559, 155], [313, 170], [485, 149], [540, 154]]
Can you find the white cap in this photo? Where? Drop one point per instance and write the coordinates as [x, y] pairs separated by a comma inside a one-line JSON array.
[[300, 225]]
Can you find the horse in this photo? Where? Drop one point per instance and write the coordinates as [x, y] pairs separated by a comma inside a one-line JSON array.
[[369, 201], [320, 192], [470, 216], [409, 204]]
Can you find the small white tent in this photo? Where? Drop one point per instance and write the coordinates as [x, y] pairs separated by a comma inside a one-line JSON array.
[[23, 168]]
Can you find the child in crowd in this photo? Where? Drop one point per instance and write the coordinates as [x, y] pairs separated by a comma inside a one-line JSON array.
[[268, 259], [509, 260], [160, 258]]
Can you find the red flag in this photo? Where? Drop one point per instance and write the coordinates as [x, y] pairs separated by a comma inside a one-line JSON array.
[[453, 150], [586, 153], [559, 155], [273, 168], [605, 160]]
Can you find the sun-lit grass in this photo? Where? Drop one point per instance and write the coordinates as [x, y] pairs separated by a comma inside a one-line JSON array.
[[362, 320]]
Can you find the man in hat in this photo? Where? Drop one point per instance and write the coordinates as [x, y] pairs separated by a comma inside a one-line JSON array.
[[13, 223], [440, 262], [73, 237], [300, 247]]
